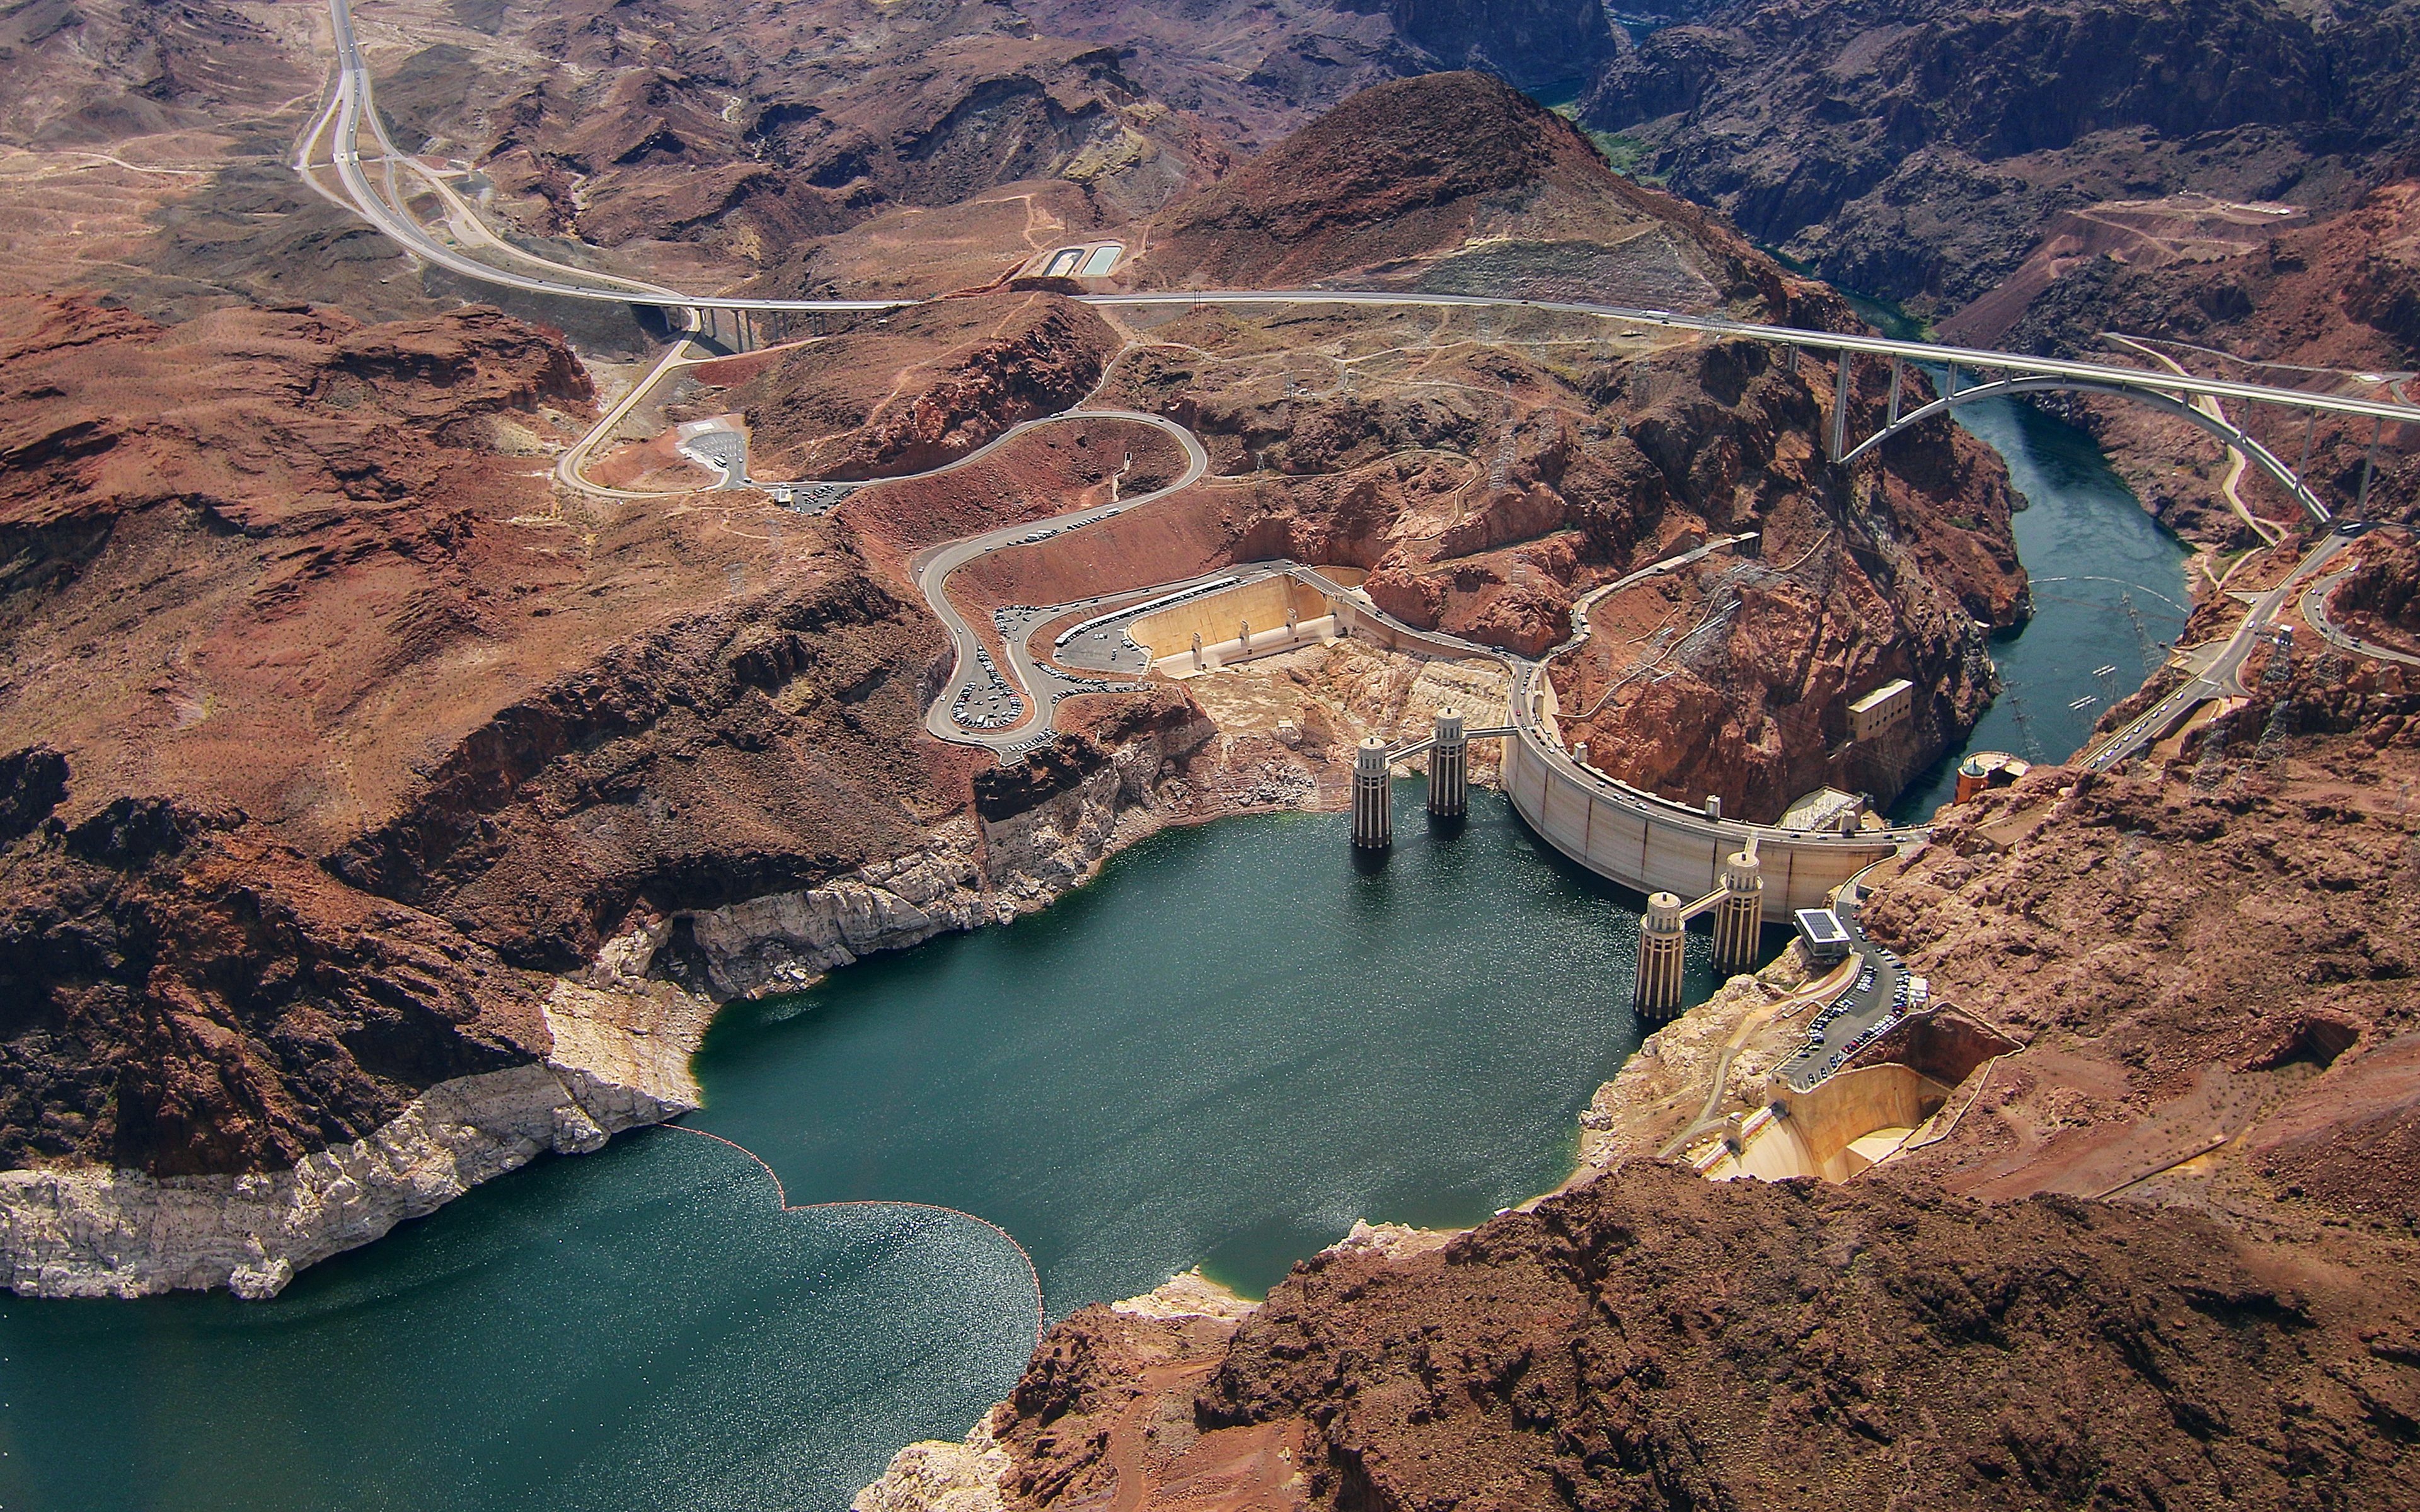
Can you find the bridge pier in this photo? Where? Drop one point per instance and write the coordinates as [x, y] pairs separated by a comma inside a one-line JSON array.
[[1374, 820], [1448, 767], [1839, 440], [1657, 992], [1739, 919]]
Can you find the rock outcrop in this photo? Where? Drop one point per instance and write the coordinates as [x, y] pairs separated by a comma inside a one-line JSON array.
[[100, 1231], [1651, 1336], [2229, 180], [1917, 150], [1408, 183], [2174, 1187], [1608, 450], [924, 388]]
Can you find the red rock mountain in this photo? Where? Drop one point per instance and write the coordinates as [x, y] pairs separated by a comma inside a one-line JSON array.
[[1440, 181]]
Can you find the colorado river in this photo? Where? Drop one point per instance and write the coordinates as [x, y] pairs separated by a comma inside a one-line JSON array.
[[2109, 591], [1225, 1051]]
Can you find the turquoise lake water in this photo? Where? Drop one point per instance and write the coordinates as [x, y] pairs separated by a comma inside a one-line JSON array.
[[1223, 1051]]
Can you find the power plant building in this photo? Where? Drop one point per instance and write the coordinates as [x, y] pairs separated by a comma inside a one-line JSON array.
[[1882, 710]]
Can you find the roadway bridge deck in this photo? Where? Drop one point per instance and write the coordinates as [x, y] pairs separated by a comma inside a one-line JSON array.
[[1618, 831]]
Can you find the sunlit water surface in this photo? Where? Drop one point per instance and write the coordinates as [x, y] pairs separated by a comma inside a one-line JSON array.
[[1225, 1051]]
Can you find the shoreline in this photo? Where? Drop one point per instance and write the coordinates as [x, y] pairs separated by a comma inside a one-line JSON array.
[[1190, 1316], [622, 1034]]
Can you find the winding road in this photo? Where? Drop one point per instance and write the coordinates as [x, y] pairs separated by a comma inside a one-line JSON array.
[[2315, 614], [933, 568], [338, 127]]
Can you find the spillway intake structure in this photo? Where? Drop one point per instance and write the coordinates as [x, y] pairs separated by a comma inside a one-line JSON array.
[[1656, 993], [1739, 917], [1373, 822], [1448, 767]]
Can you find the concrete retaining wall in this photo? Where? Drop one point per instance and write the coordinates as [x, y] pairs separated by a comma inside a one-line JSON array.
[[1215, 616]]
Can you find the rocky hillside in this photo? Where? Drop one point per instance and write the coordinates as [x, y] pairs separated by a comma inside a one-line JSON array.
[[1917, 150], [1253, 71], [1611, 448], [1405, 183], [2228, 178], [754, 129], [925, 387]]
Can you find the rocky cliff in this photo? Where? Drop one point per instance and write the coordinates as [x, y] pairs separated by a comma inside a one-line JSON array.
[[924, 387], [2224, 176], [1917, 150], [1405, 181], [2324, 301], [1591, 449]]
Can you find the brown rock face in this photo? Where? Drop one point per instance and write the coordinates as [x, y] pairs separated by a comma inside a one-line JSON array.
[[1917, 149], [924, 388], [2197, 951], [1397, 181], [196, 517], [759, 745], [2383, 597], [750, 129], [183, 996], [2206, 966], [251, 480], [1653, 1341]]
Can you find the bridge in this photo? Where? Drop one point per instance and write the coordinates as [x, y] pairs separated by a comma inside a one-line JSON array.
[[1666, 849], [350, 105]]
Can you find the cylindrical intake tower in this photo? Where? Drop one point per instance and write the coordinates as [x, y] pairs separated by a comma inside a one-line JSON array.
[[1448, 767], [1656, 994], [1739, 919], [1374, 820]]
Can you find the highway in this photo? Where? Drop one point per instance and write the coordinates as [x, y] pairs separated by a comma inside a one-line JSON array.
[[2231, 487], [933, 569], [568, 467], [351, 103], [2315, 614], [2221, 678]]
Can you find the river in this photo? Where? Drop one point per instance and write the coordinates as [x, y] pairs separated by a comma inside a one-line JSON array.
[[2109, 588], [1227, 1049]]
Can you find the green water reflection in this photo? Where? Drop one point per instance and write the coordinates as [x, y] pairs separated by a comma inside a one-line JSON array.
[[1226, 1050]]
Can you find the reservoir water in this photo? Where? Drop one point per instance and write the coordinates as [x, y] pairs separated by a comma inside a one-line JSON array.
[[1226, 1050]]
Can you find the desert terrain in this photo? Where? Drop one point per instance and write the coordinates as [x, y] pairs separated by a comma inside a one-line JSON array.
[[408, 738]]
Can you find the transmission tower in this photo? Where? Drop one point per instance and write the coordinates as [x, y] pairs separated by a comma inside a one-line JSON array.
[[2281, 664], [2274, 734], [2141, 633], [2024, 724]]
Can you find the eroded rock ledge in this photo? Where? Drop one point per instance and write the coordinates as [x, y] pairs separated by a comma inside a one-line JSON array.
[[619, 1061], [618, 1042]]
